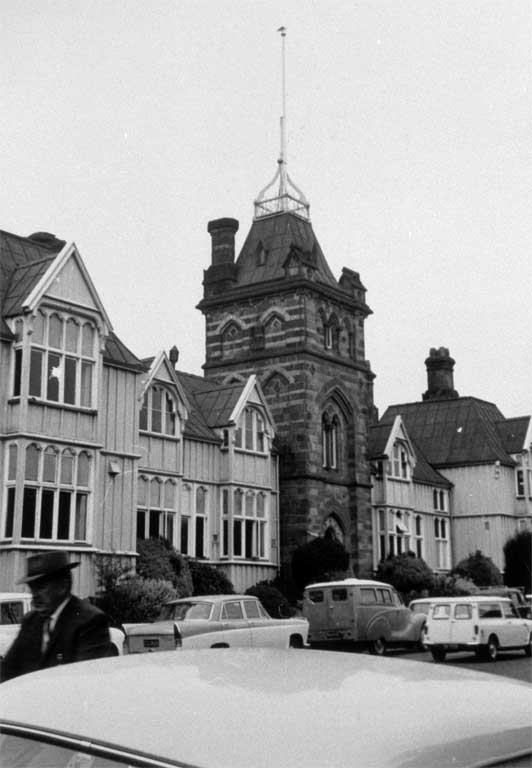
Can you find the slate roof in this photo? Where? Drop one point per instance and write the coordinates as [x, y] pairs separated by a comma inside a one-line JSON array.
[[513, 433], [116, 353], [277, 234], [23, 261], [211, 405], [454, 432], [423, 471]]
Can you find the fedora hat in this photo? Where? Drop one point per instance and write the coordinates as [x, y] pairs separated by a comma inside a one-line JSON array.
[[46, 564]]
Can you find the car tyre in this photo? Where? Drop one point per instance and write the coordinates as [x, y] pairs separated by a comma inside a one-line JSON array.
[[438, 654], [528, 648], [491, 650], [296, 641], [378, 647]]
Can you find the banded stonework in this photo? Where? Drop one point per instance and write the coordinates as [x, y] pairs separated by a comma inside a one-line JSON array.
[[278, 312]]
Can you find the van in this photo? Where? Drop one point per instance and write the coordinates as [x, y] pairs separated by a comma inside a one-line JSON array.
[[360, 612], [485, 625]]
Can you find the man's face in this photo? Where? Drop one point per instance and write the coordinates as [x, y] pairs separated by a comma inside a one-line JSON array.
[[47, 594]]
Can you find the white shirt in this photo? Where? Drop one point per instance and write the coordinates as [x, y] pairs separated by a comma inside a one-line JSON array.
[[50, 622]]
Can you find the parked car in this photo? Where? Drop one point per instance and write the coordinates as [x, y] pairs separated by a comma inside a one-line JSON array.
[[13, 606], [485, 625], [215, 621], [360, 612], [420, 605], [521, 605], [266, 708]]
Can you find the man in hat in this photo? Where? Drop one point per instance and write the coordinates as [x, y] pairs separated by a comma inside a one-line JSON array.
[[61, 628]]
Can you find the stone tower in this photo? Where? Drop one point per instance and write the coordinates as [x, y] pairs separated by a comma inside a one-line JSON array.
[[279, 312]]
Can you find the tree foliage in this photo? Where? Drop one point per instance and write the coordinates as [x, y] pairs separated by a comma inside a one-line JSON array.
[[480, 569], [136, 600], [271, 598], [322, 559], [518, 561], [407, 573], [208, 580]]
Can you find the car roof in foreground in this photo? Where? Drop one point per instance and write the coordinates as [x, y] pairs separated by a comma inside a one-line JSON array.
[[349, 583], [267, 708], [209, 599]]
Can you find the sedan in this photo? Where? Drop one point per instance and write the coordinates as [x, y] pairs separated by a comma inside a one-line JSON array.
[[263, 708], [215, 621]]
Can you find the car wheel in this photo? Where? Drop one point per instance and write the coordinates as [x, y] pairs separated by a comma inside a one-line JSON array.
[[528, 648], [296, 641], [378, 647], [491, 650], [438, 654]]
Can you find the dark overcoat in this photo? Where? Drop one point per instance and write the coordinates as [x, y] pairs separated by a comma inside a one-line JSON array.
[[81, 632]]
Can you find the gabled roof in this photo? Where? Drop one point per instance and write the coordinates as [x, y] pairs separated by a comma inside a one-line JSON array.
[[513, 433], [276, 235], [378, 437], [197, 425], [454, 432], [23, 262]]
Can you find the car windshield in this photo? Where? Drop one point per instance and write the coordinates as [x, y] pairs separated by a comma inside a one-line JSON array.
[[18, 751], [189, 610], [420, 607]]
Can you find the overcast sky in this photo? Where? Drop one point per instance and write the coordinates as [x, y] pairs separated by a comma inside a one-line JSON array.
[[127, 125]]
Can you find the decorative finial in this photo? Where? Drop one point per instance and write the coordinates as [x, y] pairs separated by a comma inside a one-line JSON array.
[[289, 197]]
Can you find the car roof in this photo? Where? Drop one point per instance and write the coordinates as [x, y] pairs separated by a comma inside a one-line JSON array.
[[209, 599], [272, 708], [471, 598], [349, 583], [15, 595]]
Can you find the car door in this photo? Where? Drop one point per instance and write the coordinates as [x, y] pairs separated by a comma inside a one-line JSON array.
[[462, 624], [264, 631], [515, 628], [235, 627]]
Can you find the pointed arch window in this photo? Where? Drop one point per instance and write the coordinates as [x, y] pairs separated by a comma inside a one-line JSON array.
[[329, 439], [55, 494], [250, 524], [156, 508], [249, 432], [158, 412]]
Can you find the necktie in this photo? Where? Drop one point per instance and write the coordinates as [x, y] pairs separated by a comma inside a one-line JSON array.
[[45, 635]]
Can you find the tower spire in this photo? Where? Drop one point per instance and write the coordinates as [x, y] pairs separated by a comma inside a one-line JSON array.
[[289, 197]]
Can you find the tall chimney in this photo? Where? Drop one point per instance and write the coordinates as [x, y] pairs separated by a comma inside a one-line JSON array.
[[440, 379], [221, 275], [222, 232]]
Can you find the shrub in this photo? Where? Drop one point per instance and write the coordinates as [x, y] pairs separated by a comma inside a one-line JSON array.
[[407, 573], [446, 585], [157, 559], [271, 598], [136, 600], [518, 561], [208, 580], [322, 559], [480, 569]]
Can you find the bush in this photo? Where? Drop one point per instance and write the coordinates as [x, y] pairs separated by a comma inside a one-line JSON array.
[[136, 600], [208, 580], [518, 561], [479, 569], [322, 559], [407, 573], [446, 585], [157, 559], [272, 599]]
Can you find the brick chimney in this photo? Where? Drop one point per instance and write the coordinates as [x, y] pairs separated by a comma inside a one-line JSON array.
[[221, 275], [440, 379]]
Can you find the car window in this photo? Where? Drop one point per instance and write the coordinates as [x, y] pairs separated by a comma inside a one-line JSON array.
[[189, 610], [251, 608], [386, 596], [367, 595], [463, 611], [489, 611], [339, 595], [441, 611], [315, 596], [18, 751], [509, 611], [420, 607], [11, 612], [232, 610], [396, 599]]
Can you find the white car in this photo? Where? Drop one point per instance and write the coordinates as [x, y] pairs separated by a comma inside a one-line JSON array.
[[13, 606], [485, 625], [263, 708], [215, 621]]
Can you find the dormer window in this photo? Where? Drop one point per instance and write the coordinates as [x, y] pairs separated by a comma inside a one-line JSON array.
[[158, 412], [249, 432], [399, 466]]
